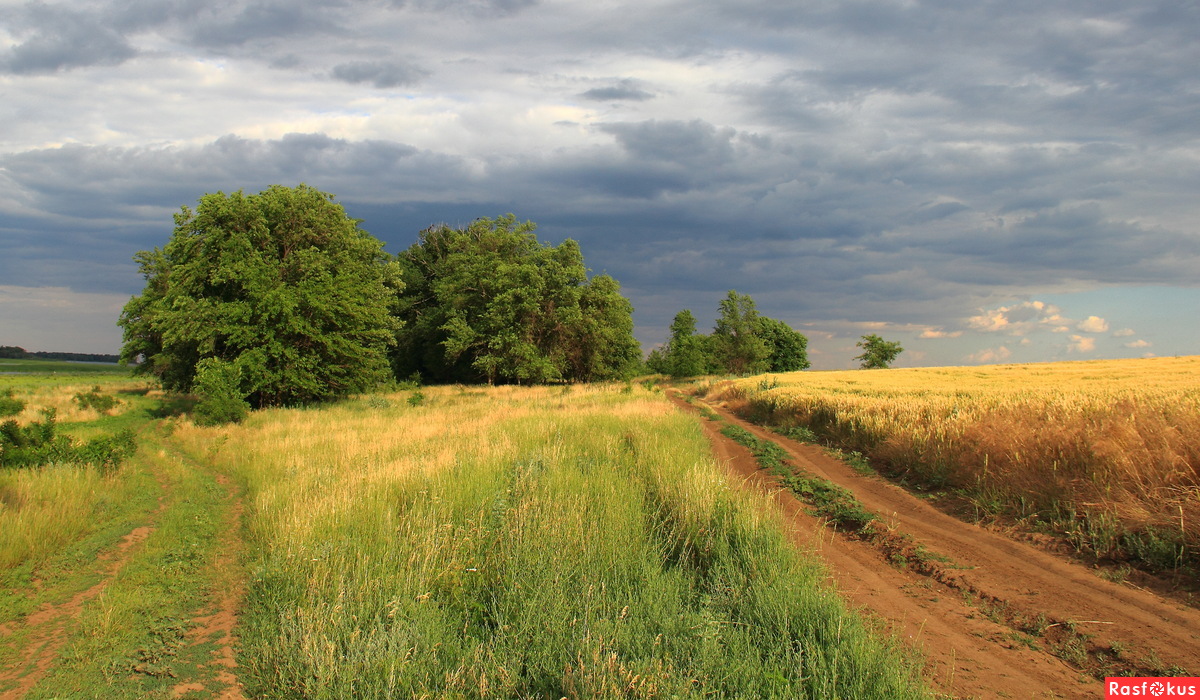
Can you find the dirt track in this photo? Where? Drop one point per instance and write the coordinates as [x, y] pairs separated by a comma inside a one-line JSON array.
[[218, 625], [963, 612]]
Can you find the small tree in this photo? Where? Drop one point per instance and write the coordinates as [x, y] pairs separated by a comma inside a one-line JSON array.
[[218, 386], [9, 404], [686, 352], [877, 352], [788, 349], [735, 339]]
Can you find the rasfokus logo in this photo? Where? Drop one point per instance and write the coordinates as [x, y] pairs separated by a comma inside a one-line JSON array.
[[1152, 687]]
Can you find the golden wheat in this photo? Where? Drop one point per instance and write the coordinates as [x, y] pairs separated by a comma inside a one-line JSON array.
[[1118, 440]]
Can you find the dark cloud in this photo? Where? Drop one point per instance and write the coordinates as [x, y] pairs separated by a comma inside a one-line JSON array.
[[260, 21], [622, 90], [55, 38], [104, 204], [685, 143], [855, 161], [381, 74]]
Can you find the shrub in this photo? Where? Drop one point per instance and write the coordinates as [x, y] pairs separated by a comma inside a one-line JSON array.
[[9, 405], [218, 386], [39, 443], [94, 399]]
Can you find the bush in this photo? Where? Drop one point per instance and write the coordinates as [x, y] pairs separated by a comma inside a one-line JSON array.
[[39, 443], [107, 451], [9, 405], [94, 399], [218, 386]]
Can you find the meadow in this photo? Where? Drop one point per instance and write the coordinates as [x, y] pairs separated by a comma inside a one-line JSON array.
[[1104, 452], [524, 542], [45, 509]]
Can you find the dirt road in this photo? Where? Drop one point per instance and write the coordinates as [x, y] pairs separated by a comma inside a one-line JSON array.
[[125, 624], [993, 616]]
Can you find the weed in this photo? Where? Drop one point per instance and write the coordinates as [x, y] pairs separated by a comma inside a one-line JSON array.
[[828, 499], [801, 433], [855, 459], [1118, 574], [41, 443], [95, 400], [411, 384], [378, 403]]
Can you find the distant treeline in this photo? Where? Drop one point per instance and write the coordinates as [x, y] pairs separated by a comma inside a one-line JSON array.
[[12, 352]]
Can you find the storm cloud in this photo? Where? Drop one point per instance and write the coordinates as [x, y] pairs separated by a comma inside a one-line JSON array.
[[906, 168]]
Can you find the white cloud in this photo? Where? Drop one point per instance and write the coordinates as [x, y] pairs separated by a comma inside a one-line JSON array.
[[1020, 319], [1123, 333], [1139, 343], [937, 333], [990, 355], [1092, 324], [1081, 343]]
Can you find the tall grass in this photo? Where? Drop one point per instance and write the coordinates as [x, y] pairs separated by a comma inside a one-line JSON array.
[[41, 392], [524, 543], [1107, 450], [42, 509]]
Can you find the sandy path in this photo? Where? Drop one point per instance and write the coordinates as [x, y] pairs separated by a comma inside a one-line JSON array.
[[968, 653]]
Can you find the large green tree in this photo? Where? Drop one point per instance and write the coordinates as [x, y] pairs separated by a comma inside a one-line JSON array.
[[488, 302], [281, 285]]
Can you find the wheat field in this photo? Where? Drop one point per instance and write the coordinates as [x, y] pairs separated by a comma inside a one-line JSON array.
[[1106, 450]]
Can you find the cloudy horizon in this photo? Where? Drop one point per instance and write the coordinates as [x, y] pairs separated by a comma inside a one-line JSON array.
[[993, 182]]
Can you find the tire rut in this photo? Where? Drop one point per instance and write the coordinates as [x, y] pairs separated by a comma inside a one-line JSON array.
[[50, 624], [217, 623]]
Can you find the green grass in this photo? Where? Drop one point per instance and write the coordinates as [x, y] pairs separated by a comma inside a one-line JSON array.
[[132, 641], [828, 499], [525, 543], [62, 525]]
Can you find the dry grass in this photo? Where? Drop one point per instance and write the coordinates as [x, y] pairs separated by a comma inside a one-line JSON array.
[[39, 396], [42, 509], [1111, 448]]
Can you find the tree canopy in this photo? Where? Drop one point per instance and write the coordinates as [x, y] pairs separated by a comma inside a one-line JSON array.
[[488, 302], [787, 349], [736, 344], [282, 285], [877, 352], [742, 342]]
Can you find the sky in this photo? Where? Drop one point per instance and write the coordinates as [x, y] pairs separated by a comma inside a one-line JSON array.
[[984, 182]]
